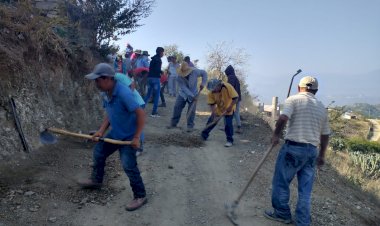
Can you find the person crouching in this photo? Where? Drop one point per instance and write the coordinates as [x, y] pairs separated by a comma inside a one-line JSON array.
[[222, 99]]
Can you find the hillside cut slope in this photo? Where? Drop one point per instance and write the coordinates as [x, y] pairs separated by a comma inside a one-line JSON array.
[[43, 73]]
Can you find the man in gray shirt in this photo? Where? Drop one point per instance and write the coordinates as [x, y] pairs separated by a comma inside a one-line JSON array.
[[188, 93]]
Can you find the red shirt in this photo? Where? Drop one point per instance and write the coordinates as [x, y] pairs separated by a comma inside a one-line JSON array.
[[164, 78], [138, 71]]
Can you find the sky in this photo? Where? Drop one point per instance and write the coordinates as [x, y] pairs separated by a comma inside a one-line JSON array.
[[336, 41]]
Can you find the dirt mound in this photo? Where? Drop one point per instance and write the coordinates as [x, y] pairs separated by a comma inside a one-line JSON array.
[[181, 139]]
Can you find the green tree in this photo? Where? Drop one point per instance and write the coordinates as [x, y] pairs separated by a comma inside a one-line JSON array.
[[106, 20]]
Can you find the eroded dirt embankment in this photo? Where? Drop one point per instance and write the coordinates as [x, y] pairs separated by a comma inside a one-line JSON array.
[[43, 73]]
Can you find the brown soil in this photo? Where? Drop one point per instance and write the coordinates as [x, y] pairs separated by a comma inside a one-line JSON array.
[[187, 181]]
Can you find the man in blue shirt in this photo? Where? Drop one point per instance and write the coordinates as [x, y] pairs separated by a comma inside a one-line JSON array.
[[127, 120]]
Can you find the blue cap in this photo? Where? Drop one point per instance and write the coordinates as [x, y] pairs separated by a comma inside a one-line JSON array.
[[213, 83]]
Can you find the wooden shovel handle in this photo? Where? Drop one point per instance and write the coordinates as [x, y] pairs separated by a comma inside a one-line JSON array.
[[192, 105], [86, 136], [258, 166], [215, 121]]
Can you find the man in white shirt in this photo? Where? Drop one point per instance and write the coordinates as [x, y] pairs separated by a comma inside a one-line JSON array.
[[307, 128]]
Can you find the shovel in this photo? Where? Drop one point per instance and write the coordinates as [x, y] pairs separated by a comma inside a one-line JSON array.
[[230, 208], [214, 122], [192, 105], [48, 138]]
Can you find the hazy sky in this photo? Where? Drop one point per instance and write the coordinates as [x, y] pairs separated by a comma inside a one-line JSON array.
[[338, 41]]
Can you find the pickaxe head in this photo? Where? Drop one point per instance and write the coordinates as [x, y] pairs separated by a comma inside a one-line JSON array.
[[230, 211]]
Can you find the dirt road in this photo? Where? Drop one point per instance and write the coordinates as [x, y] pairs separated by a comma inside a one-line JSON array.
[[187, 181], [376, 129]]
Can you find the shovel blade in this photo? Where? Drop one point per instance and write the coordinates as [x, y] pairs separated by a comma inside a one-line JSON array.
[[47, 138], [230, 212]]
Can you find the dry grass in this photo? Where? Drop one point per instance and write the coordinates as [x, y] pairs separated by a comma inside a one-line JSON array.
[[25, 24], [342, 163], [351, 128]]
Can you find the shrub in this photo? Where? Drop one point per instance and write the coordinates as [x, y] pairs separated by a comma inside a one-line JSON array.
[[369, 164], [338, 143], [363, 146]]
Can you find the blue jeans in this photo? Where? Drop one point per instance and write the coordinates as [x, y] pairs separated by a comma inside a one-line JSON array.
[[237, 114], [294, 160], [128, 160], [228, 128], [180, 103], [153, 88]]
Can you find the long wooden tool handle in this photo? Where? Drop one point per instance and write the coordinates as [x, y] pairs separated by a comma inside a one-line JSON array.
[[215, 121], [86, 136], [192, 105], [255, 172]]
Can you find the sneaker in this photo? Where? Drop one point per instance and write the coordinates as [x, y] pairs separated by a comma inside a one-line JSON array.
[[171, 127], [155, 115], [138, 153], [228, 144], [238, 130], [189, 130], [89, 184], [163, 105], [271, 215], [136, 203]]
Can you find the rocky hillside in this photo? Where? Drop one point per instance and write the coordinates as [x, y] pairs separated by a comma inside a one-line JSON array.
[[43, 73]]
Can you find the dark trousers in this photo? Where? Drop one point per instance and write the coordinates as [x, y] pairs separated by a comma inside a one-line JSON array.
[[141, 85], [164, 85], [128, 160], [228, 128]]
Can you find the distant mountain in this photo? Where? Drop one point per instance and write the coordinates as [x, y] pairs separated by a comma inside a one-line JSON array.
[[367, 110]]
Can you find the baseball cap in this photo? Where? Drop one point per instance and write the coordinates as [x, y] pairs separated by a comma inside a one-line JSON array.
[[309, 83], [213, 83], [102, 69]]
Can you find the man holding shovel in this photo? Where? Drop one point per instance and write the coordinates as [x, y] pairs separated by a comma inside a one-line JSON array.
[[307, 128], [222, 99], [127, 120], [188, 93]]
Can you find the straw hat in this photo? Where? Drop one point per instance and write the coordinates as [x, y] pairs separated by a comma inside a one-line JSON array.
[[138, 51], [184, 70]]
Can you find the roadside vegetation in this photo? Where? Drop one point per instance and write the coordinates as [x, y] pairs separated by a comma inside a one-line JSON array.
[[352, 155]]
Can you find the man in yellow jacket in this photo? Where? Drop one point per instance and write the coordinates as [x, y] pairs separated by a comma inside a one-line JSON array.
[[222, 99]]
